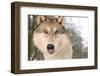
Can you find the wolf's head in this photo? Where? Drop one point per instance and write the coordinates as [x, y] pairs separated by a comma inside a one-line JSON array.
[[50, 36]]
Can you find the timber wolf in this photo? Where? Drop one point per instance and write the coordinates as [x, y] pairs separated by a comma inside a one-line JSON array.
[[51, 38]]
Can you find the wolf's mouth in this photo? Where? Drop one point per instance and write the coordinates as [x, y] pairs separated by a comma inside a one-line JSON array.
[[51, 51]]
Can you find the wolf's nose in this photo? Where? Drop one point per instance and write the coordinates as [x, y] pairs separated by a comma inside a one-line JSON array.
[[50, 46]]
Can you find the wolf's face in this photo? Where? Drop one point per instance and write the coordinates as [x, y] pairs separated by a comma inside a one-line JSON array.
[[50, 35]]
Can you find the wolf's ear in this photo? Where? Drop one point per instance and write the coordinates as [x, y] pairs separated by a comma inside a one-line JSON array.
[[40, 19], [60, 20]]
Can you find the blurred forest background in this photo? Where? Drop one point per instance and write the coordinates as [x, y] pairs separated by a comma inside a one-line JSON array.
[[76, 33]]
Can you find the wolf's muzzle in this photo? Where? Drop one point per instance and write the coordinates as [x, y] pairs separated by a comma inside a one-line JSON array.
[[50, 48]]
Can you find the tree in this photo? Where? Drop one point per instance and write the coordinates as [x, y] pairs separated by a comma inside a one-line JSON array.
[[76, 41]]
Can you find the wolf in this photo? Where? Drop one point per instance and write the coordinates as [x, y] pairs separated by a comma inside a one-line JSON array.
[[51, 38]]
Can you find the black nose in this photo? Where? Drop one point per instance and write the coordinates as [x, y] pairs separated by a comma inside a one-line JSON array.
[[50, 46]]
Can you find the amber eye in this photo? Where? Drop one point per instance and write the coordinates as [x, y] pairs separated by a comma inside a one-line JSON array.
[[56, 32], [45, 32]]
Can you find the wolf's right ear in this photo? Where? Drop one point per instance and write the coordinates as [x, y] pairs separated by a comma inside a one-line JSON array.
[[60, 20], [40, 19]]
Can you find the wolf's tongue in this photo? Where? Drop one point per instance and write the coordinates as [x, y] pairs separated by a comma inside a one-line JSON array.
[[51, 51]]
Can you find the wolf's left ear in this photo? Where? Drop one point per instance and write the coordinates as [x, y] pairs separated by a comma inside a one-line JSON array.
[[60, 20], [40, 19]]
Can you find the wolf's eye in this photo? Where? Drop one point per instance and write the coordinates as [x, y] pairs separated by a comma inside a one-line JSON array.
[[56, 32], [45, 32]]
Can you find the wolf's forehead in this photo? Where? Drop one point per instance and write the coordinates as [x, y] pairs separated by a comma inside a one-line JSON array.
[[51, 22], [52, 25]]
